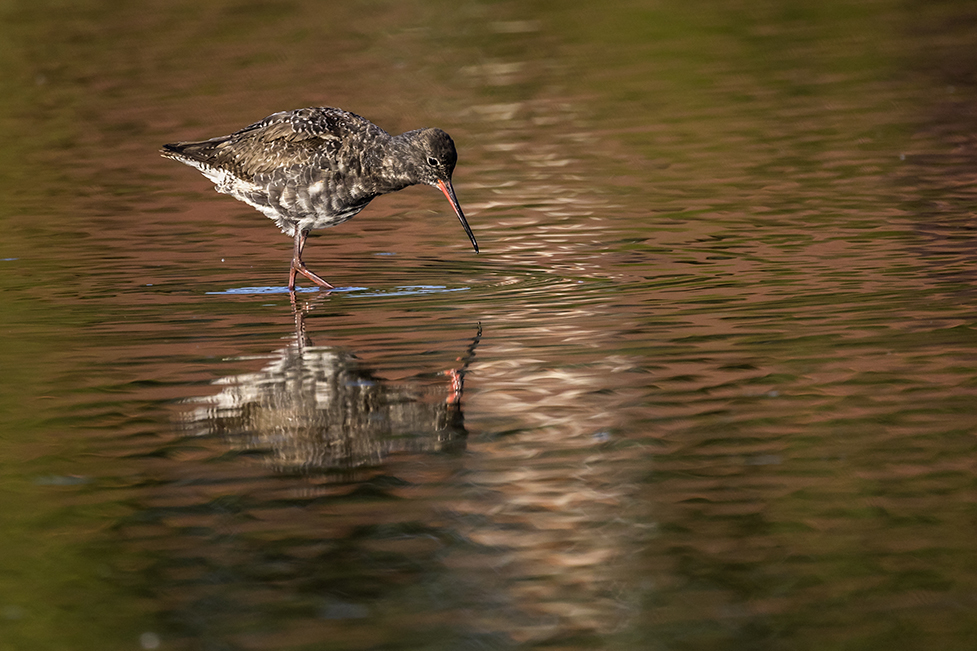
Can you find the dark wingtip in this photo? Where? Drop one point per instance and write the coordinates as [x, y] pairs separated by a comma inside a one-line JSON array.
[[171, 149]]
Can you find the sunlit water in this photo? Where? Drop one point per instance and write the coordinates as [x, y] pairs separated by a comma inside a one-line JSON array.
[[709, 385]]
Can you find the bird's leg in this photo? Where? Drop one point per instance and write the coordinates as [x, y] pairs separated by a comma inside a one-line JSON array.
[[299, 267], [295, 256]]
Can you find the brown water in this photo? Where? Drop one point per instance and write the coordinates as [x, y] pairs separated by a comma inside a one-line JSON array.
[[711, 383]]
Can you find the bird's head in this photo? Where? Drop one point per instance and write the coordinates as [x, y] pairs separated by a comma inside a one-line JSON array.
[[432, 160]]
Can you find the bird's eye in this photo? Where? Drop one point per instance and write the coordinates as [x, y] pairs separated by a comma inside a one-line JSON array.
[[432, 161]]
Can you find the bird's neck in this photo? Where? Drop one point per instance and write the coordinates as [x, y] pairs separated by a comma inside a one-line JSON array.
[[396, 164]]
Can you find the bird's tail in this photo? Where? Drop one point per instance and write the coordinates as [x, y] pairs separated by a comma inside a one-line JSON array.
[[192, 152]]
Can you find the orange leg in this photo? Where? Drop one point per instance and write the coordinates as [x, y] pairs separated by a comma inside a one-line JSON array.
[[299, 267]]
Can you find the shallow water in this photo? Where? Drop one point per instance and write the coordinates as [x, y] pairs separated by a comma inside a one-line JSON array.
[[711, 383]]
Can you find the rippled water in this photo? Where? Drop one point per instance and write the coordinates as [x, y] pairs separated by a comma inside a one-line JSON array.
[[709, 385]]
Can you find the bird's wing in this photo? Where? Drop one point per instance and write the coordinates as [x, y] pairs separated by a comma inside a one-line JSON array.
[[294, 139]]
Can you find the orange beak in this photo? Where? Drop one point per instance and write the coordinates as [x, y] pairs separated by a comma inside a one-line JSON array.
[[445, 187]]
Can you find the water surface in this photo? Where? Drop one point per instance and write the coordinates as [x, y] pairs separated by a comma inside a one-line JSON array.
[[709, 385]]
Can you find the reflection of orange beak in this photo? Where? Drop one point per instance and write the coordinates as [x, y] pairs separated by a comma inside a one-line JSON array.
[[445, 187]]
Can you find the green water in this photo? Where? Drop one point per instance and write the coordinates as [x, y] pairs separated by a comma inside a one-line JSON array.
[[709, 385]]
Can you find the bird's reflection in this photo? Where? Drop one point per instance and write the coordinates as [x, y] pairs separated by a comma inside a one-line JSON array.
[[319, 407]]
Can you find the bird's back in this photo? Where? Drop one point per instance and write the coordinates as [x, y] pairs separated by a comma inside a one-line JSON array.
[[304, 138]]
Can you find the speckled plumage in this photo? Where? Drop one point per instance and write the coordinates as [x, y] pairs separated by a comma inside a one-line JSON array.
[[318, 167]]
